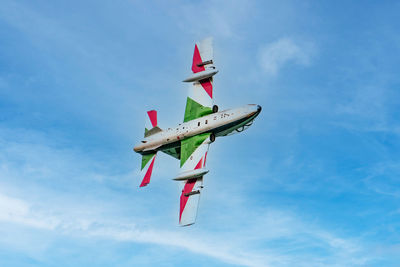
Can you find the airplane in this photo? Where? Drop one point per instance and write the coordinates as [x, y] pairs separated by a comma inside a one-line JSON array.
[[190, 140]]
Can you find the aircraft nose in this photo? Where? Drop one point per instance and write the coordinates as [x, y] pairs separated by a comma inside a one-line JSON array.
[[259, 108]]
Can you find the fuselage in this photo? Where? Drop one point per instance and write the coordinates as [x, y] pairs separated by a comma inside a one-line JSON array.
[[220, 124]]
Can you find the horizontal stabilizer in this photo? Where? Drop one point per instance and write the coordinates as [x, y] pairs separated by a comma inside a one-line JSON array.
[[147, 168]]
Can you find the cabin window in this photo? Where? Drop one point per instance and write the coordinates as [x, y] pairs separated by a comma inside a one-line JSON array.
[[206, 121], [198, 124]]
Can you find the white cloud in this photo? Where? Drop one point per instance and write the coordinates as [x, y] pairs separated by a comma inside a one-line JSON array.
[[275, 55], [278, 224], [38, 206], [19, 211]]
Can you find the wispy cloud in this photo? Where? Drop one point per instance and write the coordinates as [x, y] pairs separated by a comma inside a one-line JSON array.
[[382, 178], [295, 190], [280, 226], [66, 213], [277, 54]]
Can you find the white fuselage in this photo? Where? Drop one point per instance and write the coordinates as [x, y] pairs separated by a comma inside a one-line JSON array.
[[220, 123]]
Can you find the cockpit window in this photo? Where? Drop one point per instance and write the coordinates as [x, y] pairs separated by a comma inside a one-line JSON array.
[[144, 141]]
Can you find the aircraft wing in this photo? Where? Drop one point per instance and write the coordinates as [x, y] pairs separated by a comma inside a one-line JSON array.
[[200, 98], [193, 159]]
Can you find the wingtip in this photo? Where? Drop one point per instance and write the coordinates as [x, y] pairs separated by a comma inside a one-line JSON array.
[[184, 225], [143, 185]]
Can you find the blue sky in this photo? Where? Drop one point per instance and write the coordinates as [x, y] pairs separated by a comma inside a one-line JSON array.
[[314, 182]]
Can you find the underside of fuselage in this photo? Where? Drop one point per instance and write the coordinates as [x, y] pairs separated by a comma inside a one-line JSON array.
[[174, 149]]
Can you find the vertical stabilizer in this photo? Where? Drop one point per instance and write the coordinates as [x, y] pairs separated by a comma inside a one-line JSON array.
[[151, 126], [151, 121]]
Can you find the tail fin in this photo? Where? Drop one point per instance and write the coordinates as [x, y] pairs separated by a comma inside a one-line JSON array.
[[147, 168], [151, 123]]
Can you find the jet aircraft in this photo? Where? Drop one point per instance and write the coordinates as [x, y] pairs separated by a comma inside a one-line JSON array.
[[189, 141]]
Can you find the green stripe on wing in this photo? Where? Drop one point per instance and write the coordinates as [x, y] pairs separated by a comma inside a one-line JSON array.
[[189, 145], [195, 110], [146, 158]]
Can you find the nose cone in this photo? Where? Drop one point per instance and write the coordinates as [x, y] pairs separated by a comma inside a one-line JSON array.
[[253, 110], [138, 147]]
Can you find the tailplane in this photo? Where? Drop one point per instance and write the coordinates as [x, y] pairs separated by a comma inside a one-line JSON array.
[[147, 167], [148, 159]]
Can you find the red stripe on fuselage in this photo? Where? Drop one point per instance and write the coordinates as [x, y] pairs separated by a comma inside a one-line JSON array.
[[147, 176], [153, 117]]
